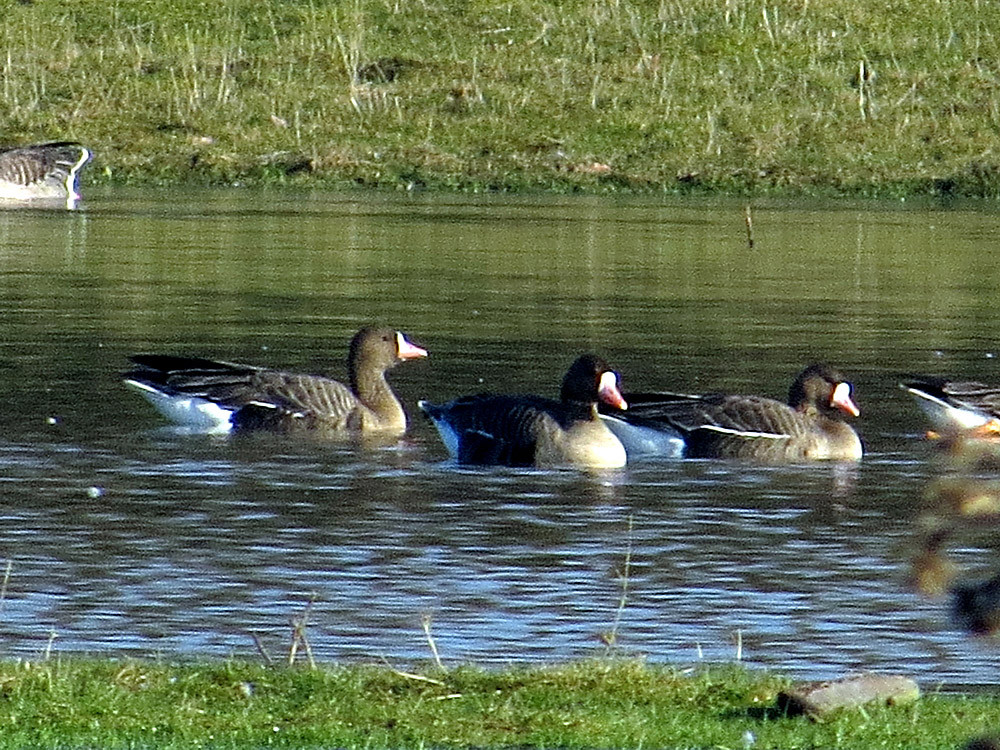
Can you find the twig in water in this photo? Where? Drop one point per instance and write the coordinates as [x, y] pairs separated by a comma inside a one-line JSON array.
[[863, 76], [48, 647], [261, 650], [611, 637], [426, 622], [299, 637], [6, 580], [739, 644]]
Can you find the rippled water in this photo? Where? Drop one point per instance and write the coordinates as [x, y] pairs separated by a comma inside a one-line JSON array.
[[124, 535]]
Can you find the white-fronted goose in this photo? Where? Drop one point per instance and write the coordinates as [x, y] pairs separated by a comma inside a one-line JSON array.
[[523, 430], [955, 408], [219, 396], [45, 171], [809, 427]]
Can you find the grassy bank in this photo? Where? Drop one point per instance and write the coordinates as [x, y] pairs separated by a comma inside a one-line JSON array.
[[618, 704], [599, 95]]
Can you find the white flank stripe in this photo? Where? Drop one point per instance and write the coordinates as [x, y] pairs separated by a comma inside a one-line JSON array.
[[744, 433]]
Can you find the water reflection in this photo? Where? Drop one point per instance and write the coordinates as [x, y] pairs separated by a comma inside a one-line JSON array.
[[124, 536]]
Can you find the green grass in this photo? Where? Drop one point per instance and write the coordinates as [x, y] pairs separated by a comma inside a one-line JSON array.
[[738, 96], [602, 703]]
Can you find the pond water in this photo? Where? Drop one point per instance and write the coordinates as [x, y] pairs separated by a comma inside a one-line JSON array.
[[125, 536]]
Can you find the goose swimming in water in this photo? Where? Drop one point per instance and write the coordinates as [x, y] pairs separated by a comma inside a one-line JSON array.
[[528, 430], [810, 426], [42, 172], [219, 396]]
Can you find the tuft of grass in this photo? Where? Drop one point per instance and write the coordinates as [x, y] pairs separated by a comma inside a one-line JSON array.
[[623, 96]]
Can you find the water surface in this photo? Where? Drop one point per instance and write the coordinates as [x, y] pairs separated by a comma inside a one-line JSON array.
[[128, 537]]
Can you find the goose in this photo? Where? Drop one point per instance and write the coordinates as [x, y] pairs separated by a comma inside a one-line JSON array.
[[957, 407], [809, 427], [221, 396], [528, 430], [44, 171]]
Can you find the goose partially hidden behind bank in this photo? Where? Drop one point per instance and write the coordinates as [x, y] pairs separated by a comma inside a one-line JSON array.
[[809, 427], [220, 396], [42, 172], [527, 430]]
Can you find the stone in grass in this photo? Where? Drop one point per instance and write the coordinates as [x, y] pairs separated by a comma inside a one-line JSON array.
[[818, 699]]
